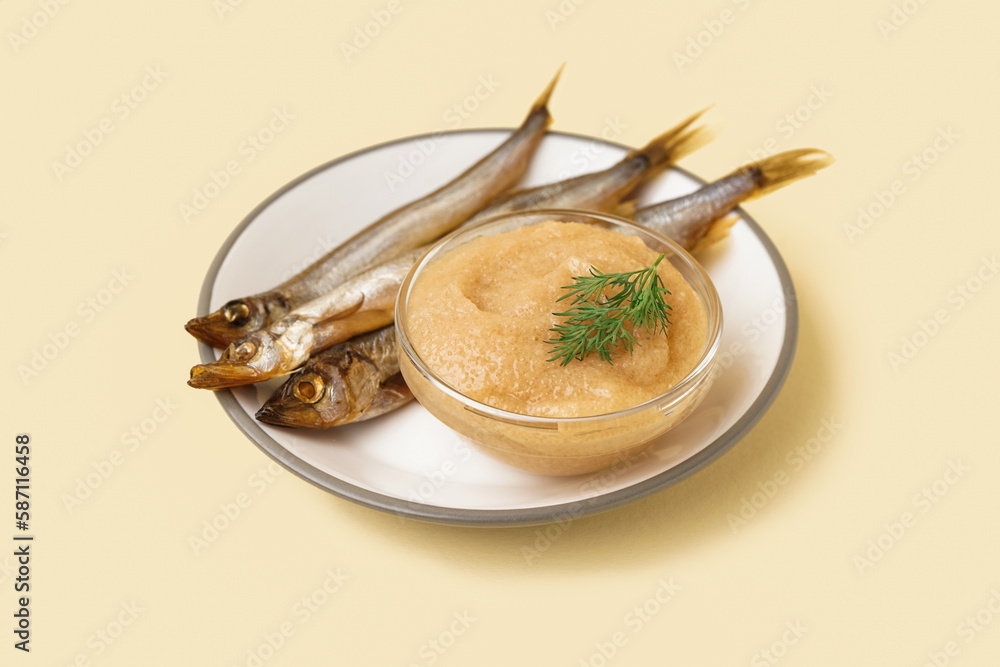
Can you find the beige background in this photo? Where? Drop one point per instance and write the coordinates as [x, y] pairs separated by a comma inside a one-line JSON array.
[[888, 93]]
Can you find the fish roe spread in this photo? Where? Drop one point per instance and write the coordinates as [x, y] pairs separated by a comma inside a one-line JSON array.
[[480, 315]]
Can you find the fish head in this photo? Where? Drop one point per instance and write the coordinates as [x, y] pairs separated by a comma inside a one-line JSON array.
[[231, 323], [253, 359], [299, 403], [322, 394]]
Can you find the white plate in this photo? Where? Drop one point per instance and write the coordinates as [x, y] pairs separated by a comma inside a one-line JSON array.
[[408, 463]]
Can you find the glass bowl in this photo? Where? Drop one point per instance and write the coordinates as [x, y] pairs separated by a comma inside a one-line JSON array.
[[568, 445]]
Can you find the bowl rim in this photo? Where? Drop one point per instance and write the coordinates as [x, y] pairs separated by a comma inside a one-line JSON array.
[[675, 394]]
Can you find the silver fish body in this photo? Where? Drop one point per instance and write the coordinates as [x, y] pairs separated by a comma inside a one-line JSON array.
[[697, 218], [606, 189], [402, 230], [350, 382], [361, 304]]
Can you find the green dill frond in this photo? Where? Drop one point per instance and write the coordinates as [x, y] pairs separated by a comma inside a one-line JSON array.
[[597, 322]]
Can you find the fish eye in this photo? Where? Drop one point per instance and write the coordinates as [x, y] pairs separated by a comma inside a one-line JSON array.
[[237, 313], [309, 389], [245, 351]]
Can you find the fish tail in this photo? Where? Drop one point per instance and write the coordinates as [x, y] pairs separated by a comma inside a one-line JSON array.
[[785, 168], [768, 175], [676, 142], [541, 105], [625, 209]]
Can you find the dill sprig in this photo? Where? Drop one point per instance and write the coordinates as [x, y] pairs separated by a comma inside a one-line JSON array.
[[599, 323]]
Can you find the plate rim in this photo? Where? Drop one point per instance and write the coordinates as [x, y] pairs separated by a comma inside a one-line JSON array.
[[502, 517]]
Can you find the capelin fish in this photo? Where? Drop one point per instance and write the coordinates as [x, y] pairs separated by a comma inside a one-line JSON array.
[[282, 347], [605, 190], [350, 382], [363, 303], [412, 226], [699, 219], [690, 220]]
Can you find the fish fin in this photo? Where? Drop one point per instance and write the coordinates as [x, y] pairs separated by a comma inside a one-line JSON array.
[[541, 105], [391, 394], [352, 307], [716, 232], [785, 168], [361, 383], [676, 142], [625, 209]]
